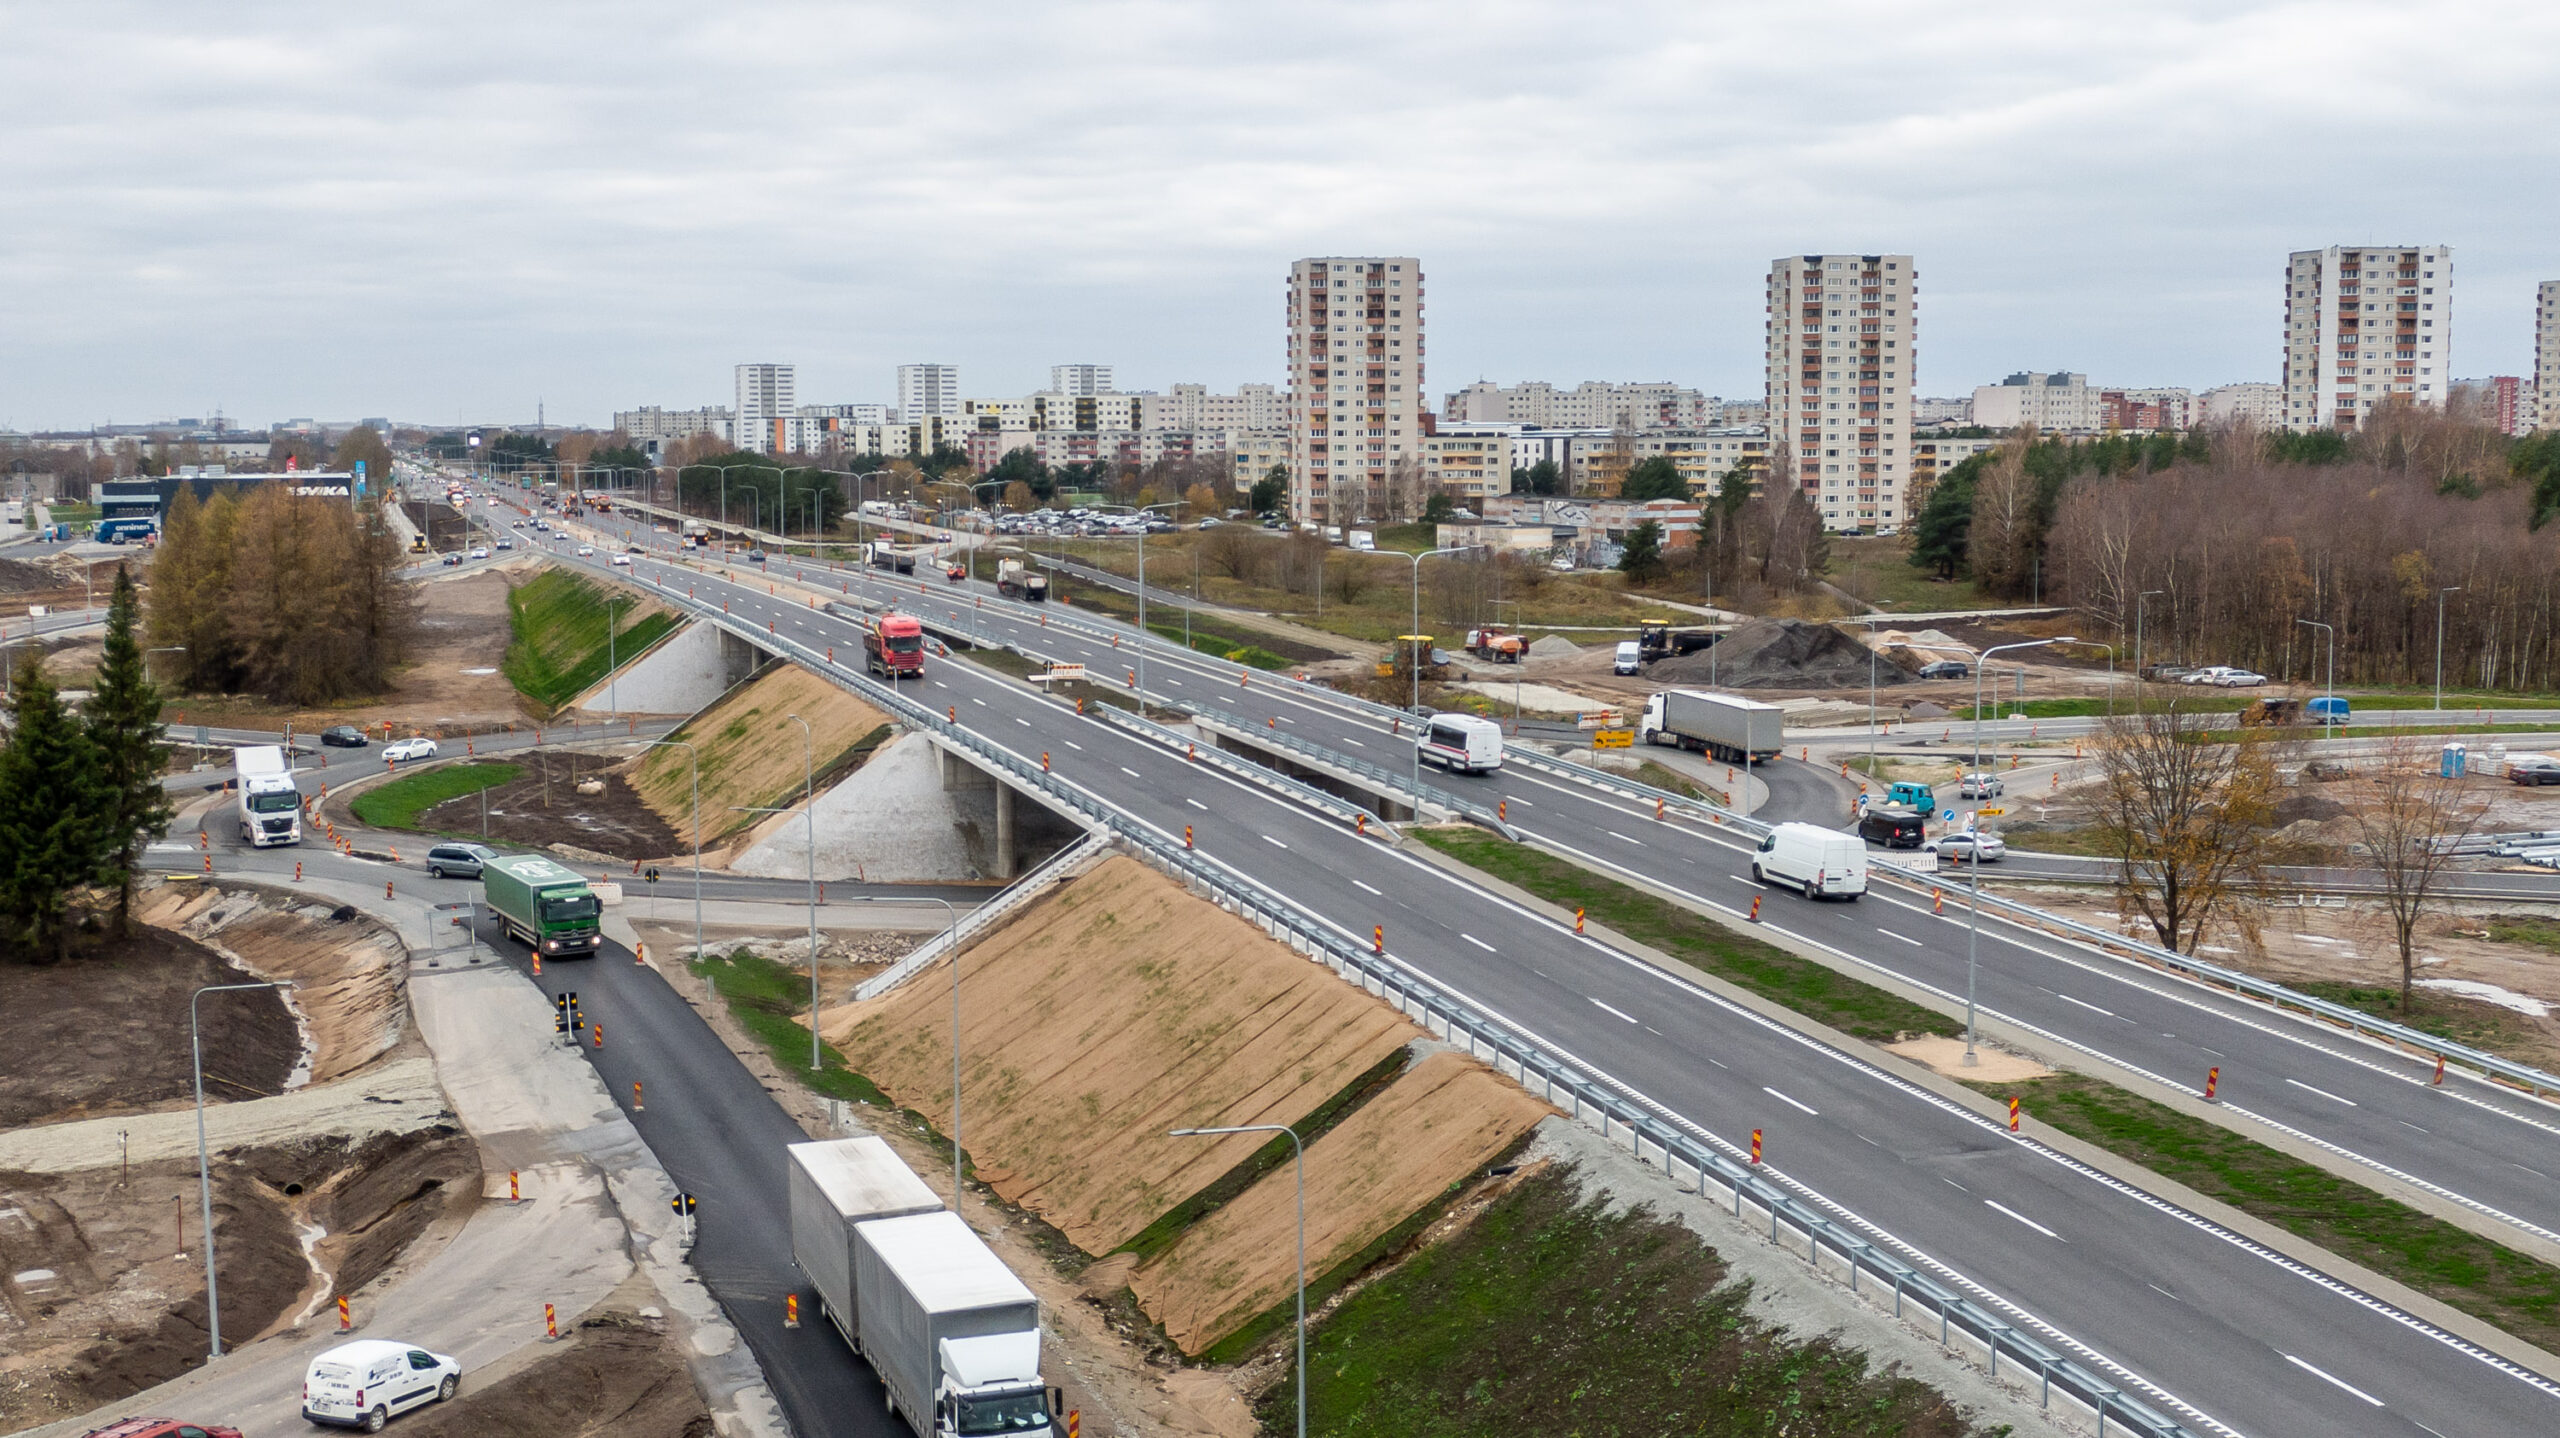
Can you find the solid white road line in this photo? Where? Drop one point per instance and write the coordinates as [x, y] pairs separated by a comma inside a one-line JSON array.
[[2333, 1378], [2022, 1218], [2324, 1093], [1479, 943], [1792, 1103], [1612, 1012]]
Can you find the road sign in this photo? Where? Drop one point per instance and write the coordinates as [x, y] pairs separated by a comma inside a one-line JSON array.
[[1613, 739], [1946, 816], [1990, 813]]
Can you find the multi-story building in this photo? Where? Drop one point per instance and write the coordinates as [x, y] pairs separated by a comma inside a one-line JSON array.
[[1355, 402], [2169, 408], [1931, 457], [1080, 379], [2499, 401], [2365, 325], [2261, 404], [1251, 452], [928, 389], [1930, 412], [649, 426], [1468, 462], [1191, 406], [2053, 403], [2546, 356], [1705, 456], [768, 410], [1592, 404], [1843, 337]]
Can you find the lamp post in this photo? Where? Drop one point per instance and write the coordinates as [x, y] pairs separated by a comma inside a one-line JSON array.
[[2137, 634], [809, 814], [2440, 594], [204, 1168], [950, 926], [1973, 890], [2328, 712], [1300, 1149], [1415, 669]]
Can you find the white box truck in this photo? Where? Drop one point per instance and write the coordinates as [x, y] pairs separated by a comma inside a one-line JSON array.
[[270, 807], [835, 1185], [1731, 729], [954, 1336]]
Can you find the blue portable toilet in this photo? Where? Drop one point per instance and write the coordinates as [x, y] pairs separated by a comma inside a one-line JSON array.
[[2456, 759]]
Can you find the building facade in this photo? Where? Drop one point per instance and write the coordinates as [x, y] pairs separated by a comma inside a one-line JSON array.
[[2365, 325], [1355, 353], [1843, 337], [2546, 356], [928, 389], [2260, 404], [1192, 406], [650, 426], [768, 409], [1468, 462], [1080, 379], [2053, 403], [1592, 404]]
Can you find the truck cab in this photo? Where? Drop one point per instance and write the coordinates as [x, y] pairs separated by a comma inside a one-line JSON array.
[[545, 905], [894, 647]]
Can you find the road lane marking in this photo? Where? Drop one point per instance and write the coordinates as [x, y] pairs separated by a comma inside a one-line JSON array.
[[1272, 841], [1018, 719], [1614, 834], [2156, 1288], [1951, 1183], [2334, 1379], [1381, 893], [1132, 773], [1792, 1103], [2084, 1003], [1347, 739], [1613, 1012], [1746, 881], [2022, 1218], [2324, 1093], [2404, 1123], [1481, 944], [1196, 804], [974, 699], [1906, 938], [1070, 743]]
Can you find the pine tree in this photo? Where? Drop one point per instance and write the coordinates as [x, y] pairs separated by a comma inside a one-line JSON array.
[[123, 721], [53, 804]]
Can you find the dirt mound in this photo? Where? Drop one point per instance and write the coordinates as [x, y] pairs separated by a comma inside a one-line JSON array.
[[616, 1374], [347, 972], [1780, 654], [19, 576], [1553, 646], [107, 1032], [2306, 806]]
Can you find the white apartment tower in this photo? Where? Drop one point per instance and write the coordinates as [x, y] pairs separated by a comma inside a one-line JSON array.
[[1355, 382], [2546, 356], [2364, 324], [1080, 381], [928, 391], [1843, 336], [768, 409]]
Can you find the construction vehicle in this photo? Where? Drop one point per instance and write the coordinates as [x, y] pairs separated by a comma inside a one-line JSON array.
[[1734, 730], [1660, 641], [1017, 580], [896, 558], [417, 544], [893, 648], [1497, 644], [270, 807], [2271, 713], [545, 904]]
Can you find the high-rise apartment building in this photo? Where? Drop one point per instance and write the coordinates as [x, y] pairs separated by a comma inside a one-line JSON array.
[[767, 409], [2546, 356], [2365, 325], [1843, 336], [1085, 380], [927, 391], [1355, 382]]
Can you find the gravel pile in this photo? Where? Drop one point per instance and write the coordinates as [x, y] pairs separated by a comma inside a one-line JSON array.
[[1553, 646], [1780, 654]]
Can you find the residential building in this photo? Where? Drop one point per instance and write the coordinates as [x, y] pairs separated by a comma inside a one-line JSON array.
[[1080, 379], [2365, 325], [2260, 404], [649, 426], [1569, 450], [1592, 404], [2168, 408], [928, 389], [1355, 352], [1926, 411], [1191, 406], [1736, 413], [1468, 462], [1931, 457], [1252, 451], [2053, 403], [1843, 336], [1705, 456], [768, 412], [849, 413], [2546, 356], [2499, 401]]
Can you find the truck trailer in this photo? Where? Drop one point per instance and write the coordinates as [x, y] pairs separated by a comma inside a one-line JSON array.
[[896, 558], [1734, 730], [954, 1336], [543, 904], [835, 1185], [1017, 580], [270, 807]]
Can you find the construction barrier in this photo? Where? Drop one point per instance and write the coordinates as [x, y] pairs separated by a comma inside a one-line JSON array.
[[550, 1322], [791, 1310], [2013, 1114], [515, 1194], [1755, 1145], [346, 1321], [636, 1105], [1755, 908], [2212, 1081], [1378, 938], [1577, 921]]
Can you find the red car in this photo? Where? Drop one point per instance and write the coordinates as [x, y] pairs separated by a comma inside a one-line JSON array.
[[160, 1428]]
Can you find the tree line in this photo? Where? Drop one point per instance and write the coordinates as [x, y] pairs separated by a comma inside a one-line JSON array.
[[293, 598], [80, 794]]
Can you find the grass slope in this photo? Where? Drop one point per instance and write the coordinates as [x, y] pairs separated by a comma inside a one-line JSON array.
[[1552, 1315], [560, 648], [398, 804]]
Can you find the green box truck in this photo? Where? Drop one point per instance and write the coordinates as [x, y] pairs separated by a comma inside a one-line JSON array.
[[545, 904]]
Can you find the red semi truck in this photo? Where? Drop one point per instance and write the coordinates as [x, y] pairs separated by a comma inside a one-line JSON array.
[[894, 647]]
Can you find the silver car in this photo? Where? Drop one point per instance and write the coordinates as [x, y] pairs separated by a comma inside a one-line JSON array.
[[458, 861], [1961, 847]]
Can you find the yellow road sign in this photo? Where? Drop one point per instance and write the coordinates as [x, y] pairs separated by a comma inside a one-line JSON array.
[[1990, 813], [1613, 739]]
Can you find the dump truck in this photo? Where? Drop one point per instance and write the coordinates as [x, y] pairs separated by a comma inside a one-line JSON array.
[[1735, 730], [1017, 580], [1662, 641], [953, 1334], [834, 1186], [893, 647], [269, 806], [1497, 644], [543, 904]]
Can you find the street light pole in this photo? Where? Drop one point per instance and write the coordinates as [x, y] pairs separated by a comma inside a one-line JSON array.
[[2137, 635], [2328, 712], [950, 927], [809, 811], [1300, 1149], [204, 1167], [1414, 664], [2440, 594], [1973, 909]]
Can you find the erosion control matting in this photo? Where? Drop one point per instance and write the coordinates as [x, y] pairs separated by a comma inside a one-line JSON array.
[[1102, 1017], [1439, 1123], [750, 753]]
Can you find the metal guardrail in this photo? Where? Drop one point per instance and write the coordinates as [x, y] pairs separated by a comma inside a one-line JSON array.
[[1387, 780], [1252, 773]]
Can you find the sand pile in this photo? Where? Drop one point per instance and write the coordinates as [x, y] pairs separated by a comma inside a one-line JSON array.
[[1553, 646], [1780, 654]]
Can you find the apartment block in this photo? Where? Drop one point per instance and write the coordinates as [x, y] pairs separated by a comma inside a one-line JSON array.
[[1192, 406], [2546, 356], [1355, 352], [1468, 462], [2500, 401], [768, 408], [2260, 404], [1947, 411], [928, 390], [1080, 379], [650, 426], [1592, 404], [2365, 325], [1931, 458], [2053, 403], [1843, 336], [1251, 452]]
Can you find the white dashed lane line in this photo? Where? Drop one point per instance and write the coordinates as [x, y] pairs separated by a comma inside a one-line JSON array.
[[2084, 1003], [2029, 1222], [1890, 934], [2335, 1380], [1479, 943], [2324, 1093], [1789, 1102], [1379, 892], [1612, 1012]]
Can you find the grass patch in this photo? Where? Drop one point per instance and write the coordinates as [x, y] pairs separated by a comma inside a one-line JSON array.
[[1879, 571], [2465, 1021], [2524, 929], [560, 648], [767, 999], [1648, 772], [74, 513], [1809, 988], [397, 805], [2492, 1283], [1549, 1314], [1208, 640], [2087, 843]]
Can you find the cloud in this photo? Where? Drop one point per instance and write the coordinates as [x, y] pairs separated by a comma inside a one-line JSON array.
[[451, 211]]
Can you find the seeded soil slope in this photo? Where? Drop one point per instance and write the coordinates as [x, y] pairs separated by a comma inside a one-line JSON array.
[[1100, 1018], [752, 755]]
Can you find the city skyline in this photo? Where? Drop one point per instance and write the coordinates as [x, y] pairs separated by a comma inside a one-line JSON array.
[[286, 214]]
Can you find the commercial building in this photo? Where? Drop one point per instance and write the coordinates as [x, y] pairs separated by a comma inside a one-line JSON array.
[[1355, 353], [1843, 337], [2546, 356], [1592, 404], [928, 389], [768, 409], [2365, 325]]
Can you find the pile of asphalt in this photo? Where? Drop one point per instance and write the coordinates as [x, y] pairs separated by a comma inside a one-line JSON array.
[[1780, 654]]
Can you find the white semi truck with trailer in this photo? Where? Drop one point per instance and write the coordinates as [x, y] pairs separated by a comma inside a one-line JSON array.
[[269, 805], [1734, 730]]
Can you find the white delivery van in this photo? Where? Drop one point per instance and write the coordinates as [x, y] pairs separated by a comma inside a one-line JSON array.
[[1825, 863], [367, 1382], [1630, 657], [1462, 743]]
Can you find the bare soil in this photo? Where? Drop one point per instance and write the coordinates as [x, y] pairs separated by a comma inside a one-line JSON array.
[[542, 808], [617, 1373], [751, 755], [348, 971], [442, 524], [107, 1032]]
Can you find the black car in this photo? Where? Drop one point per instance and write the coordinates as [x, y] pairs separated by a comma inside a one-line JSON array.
[[755, 556], [1947, 669], [1893, 828], [345, 736]]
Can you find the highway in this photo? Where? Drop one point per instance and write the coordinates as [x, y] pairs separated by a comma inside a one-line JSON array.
[[2235, 1337]]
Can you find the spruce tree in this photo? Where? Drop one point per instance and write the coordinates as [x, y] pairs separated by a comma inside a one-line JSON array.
[[53, 806], [124, 728]]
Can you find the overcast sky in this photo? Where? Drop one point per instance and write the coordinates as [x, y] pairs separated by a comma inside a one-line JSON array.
[[452, 211]]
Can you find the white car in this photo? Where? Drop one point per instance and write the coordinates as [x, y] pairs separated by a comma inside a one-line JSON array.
[[364, 1383], [622, 559], [1960, 846], [586, 551], [1978, 786], [407, 749], [480, 551]]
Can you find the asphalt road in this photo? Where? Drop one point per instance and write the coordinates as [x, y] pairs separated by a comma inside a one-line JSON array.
[[2237, 1338]]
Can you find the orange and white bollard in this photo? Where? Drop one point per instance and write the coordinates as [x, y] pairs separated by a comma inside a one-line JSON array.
[[1186, 836], [2212, 1081], [596, 1031], [1755, 908], [346, 1320], [1378, 939], [2013, 1113], [297, 871], [208, 863], [953, 714], [1360, 824], [2439, 1078], [791, 1310], [550, 1322], [1577, 921], [204, 842], [1502, 811], [1044, 761], [1075, 1423], [1755, 1145], [1657, 808]]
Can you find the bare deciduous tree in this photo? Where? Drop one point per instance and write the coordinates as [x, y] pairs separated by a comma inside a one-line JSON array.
[[2407, 820], [2185, 817]]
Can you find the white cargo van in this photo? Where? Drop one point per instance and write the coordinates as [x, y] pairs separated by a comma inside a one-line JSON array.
[[1462, 743], [1630, 657], [365, 1383], [1825, 863]]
